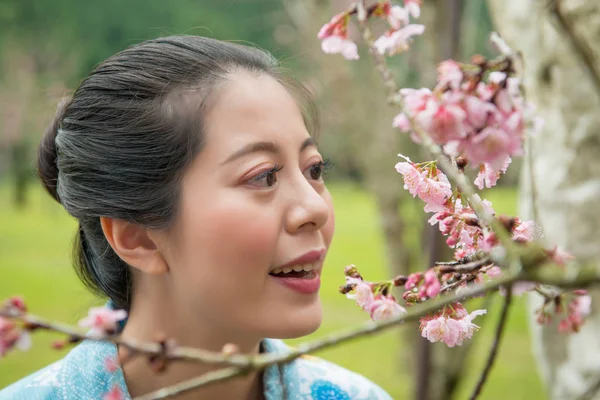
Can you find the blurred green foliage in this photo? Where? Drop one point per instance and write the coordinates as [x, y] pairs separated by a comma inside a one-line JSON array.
[[94, 30]]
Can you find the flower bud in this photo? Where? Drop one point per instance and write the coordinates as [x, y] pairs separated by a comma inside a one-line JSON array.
[[461, 163], [350, 270]]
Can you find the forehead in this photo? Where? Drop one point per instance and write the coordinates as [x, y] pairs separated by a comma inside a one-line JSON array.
[[249, 108]]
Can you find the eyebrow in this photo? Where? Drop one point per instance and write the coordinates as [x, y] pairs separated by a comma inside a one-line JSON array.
[[269, 147]]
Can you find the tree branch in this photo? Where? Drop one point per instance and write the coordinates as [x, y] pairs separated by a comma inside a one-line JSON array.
[[260, 362], [152, 349], [587, 275], [495, 345]]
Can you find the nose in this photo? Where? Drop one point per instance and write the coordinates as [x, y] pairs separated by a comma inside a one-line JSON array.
[[308, 209]]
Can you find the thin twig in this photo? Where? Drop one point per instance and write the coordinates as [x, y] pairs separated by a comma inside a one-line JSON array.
[[495, 345], [461, 269], [478, 255], [149, 348], [580, 46]]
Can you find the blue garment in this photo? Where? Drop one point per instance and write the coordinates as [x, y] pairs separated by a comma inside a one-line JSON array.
[[81, 375]]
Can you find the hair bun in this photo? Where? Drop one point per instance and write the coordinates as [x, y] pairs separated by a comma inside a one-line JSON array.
[[46, 163]]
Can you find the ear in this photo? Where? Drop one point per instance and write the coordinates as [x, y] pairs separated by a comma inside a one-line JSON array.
[[134, 245]]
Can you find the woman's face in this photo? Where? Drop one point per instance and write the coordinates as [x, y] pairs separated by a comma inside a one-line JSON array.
[[256, 219]]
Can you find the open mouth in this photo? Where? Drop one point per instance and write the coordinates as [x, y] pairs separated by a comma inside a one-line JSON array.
[[304, 271]]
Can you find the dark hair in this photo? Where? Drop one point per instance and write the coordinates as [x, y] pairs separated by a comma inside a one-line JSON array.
[[119, 147]]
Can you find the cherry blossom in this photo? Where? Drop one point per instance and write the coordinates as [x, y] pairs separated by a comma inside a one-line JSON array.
[[524, 230], [451, 327], [398, 41], [11, 336], [413, 7], [385, 307], [432, 286], [579, 308], [363, 292], [450, 73], [413, 280], [103, 320], [560, 256], [397, 16], [429, 183], [488, 176], [334, 38], [443, 118]]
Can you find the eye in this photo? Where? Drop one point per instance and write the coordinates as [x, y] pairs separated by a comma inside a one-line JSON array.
[[267, 178], [318, 170]]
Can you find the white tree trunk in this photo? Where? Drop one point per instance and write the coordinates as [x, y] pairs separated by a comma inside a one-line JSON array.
[[565, 161]]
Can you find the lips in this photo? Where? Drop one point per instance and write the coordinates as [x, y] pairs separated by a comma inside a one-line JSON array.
[[311, 257], [302, 274]]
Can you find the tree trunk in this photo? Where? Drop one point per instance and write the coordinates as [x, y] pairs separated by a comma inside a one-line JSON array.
[[560, 184]]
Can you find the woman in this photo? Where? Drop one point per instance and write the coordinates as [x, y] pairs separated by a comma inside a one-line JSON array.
[[191, 167]]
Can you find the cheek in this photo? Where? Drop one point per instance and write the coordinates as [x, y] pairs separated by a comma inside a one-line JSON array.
[[328, 229], [230, 233]]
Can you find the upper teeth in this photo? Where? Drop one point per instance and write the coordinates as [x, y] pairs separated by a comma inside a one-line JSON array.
[[297, 268]]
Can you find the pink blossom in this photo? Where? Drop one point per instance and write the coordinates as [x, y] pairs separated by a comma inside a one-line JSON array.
[[397, 17], [398, 41], [432, 284], [449, 73], [413, 7], [583, 305], [341, 45], [335, 27], [488, 176], [16, 303], [442, 329], [12, 336], [468, 327], [103, 320], [114, 394], [494, 272], [415, 100], [578, 309], [486, 205], [413, 280], [384, 307], [452, 326], [492, 145], [560, 256], [477, 111], [362, 292], [443, 119], [525, 230], [402, 122], [413, 177], [436, 189]]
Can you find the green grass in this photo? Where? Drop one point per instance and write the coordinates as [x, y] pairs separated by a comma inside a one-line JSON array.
[[34, 262]]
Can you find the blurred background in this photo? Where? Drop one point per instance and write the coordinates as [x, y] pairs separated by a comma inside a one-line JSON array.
[[47, 47]]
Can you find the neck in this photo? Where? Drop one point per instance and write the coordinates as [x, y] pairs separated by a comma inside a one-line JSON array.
[[149, 320]]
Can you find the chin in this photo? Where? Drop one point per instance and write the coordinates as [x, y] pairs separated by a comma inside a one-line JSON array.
[[296, 323]]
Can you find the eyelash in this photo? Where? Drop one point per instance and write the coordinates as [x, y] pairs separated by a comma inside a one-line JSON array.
[[326, 165]]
